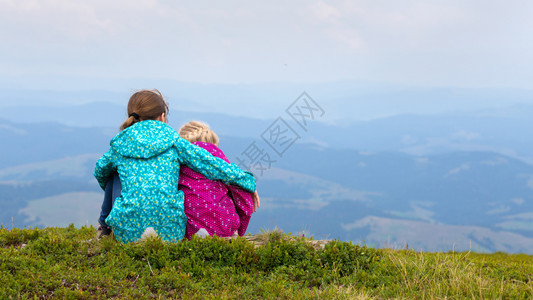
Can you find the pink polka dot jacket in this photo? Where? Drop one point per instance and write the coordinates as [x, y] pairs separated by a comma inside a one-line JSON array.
[[147, 157], [219, 208]]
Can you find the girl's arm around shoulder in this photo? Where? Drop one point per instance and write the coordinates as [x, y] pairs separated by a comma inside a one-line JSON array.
[[104, 168], [212, 167]]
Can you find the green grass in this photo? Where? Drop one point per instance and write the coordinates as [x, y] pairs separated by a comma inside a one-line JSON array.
[[69, 263]]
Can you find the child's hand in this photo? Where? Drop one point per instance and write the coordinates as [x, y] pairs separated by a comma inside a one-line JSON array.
[[257, 203]]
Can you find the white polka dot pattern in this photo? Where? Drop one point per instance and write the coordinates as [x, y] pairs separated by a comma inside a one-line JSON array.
[[219, 208]]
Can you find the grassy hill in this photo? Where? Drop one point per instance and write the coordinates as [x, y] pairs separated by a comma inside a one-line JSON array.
[[70, 263]]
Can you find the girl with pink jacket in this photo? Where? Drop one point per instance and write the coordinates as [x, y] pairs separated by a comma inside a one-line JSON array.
[[212, 207]]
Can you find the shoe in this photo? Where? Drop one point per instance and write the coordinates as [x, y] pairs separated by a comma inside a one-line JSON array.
[[103, 231], [148, 232], [202, 233]]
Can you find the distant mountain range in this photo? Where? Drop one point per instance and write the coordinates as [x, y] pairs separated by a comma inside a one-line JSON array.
[[432, 182], [502, 130]]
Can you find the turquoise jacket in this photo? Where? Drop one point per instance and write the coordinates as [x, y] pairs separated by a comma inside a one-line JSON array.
[[147, 157]]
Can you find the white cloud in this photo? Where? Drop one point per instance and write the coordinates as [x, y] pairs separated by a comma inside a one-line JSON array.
[[518, 201], [323, 11], [409, 140], [495, 162], [53, 20], [461, 168], [15, 130], [466, 135], [500, 209], [473, 43], [422, 160], [530, 183]]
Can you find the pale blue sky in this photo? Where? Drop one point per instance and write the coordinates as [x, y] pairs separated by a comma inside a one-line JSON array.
[[113, 45]]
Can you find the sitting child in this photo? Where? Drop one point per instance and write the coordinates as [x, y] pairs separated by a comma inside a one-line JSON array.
[[147, 155], [212, 206]]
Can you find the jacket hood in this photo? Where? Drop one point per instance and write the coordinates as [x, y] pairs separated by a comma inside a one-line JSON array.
[[144, 139]]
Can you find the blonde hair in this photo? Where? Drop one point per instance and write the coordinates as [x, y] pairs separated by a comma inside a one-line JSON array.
[[196, 131], [145, 105]]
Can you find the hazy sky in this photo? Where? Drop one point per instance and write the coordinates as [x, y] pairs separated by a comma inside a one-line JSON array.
[[59, 44], [423, 43]]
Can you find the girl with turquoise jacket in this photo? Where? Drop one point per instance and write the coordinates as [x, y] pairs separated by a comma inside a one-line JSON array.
[[147, 155]]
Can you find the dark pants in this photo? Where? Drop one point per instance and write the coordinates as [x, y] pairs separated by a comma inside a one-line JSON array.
[[113, 189]]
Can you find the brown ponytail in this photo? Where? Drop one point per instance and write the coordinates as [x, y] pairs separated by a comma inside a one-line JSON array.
[[196, 131], [145, 105]]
